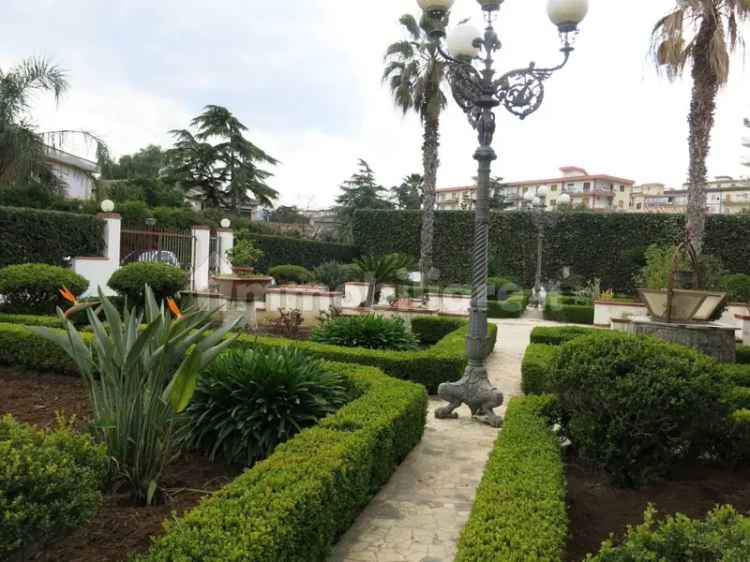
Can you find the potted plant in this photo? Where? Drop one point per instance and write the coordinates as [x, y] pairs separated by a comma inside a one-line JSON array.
[[243, 257]]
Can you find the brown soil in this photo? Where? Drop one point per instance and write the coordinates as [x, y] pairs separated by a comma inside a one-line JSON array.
[[121, 528], [597, 509]]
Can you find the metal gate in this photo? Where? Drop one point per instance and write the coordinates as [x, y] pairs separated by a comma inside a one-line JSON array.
[[215, 254], [151, 244]]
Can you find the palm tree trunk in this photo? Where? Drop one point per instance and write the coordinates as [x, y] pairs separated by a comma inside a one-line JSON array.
[[431, 161], [701, 121]]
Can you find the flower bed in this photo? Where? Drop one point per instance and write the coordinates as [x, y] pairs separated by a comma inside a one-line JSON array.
[[519, 512], [444, 361]]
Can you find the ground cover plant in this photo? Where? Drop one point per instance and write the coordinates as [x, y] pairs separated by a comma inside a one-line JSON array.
[[247, 402], [370, 331]]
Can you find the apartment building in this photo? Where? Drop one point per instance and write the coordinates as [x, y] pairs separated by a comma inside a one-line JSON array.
[[725, 195], [599, 192]]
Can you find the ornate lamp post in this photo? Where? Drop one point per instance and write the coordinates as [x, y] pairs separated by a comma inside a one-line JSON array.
[[536, 205], [478, 93]]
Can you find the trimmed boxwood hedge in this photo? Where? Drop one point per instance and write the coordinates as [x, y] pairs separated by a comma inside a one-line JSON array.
[[31, 320], [512, 307], [431, 329], [552, 335], [443, 362], [519, 513], [743, 354], [560, 308], [34, 236], [536, 368], [278, 250], [608, 246], [296, 503]]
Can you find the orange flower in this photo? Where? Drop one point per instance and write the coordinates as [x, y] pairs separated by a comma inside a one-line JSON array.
[[68, 296], [174, 308]]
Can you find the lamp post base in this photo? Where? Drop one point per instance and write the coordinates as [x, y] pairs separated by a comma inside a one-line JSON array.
[[474, 390]]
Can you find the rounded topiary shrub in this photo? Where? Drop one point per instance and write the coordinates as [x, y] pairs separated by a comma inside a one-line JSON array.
[[35, 288], [737, 287], [636, 406], [291, 274], [371, 331], [723, 535], [248, 401], [164, 279]]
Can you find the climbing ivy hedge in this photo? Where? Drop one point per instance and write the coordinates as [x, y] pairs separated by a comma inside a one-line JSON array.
[[34, 236], [280, 250], [608, 246]]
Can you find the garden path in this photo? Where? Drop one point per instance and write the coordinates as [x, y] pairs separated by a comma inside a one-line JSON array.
[[419, 514]]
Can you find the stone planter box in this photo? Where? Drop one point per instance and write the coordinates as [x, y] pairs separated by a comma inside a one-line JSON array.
[[229, 309], [242, 288], [452, 305], [714, 340], [605, 312], [743, 321], [309, 300]]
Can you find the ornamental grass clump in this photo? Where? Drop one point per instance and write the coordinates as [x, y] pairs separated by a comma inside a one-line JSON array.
[[249, 401], [370, 331], [138, 379]]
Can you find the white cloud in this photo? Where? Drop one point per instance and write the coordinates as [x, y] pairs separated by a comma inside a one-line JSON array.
[[315, 101]]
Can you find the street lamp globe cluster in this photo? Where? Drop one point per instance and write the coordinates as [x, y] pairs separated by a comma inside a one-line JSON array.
[[478, 91]]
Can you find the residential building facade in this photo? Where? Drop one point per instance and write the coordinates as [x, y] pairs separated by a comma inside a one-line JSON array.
[[724, 196], [76, 173], [598, 192]]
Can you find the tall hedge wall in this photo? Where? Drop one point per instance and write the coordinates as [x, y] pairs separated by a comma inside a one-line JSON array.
[[34, 236], [280, 250], [609, 246]]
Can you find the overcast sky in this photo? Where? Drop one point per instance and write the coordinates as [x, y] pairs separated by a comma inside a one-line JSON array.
[[304, 76]]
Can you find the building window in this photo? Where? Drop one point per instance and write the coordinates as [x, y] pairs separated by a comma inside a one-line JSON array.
[[621, 204], [587, 186], [622, 189], [553, 188], [638, 206]]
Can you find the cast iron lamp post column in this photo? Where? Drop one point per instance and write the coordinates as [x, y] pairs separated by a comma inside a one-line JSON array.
[[478, 93], [536, 205]]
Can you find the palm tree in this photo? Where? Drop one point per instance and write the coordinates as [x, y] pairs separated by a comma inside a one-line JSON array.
[[415, 75], [701, 34], [22, 149]]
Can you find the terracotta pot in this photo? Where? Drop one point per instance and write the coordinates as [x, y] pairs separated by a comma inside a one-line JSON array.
[[243, 271]]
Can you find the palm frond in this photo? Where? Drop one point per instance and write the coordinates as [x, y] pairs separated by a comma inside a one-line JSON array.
[[411, 25]]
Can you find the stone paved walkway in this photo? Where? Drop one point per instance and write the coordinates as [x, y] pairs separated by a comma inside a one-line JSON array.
[[419, 514]]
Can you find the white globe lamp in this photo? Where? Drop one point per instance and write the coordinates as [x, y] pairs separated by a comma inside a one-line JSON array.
[[435, 5], [567, 14], [225, 223], [564, 199], [543, 191], [461, 39], [107, 206]]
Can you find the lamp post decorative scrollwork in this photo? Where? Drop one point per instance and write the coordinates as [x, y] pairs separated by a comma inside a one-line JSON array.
[[478, 92]]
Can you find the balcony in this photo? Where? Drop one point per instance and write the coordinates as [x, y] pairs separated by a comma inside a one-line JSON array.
[[593, 192]]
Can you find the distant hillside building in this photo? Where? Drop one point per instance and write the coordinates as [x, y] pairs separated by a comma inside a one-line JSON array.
[[598, 192], [724, 196]]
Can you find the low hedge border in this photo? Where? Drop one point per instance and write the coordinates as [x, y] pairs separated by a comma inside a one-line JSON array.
[[570, 313], [743, 354], [559, 335], [512, 307], [443, 362], [31, 320], [431, 329], [519, 513], [296, 503], [537, 366]]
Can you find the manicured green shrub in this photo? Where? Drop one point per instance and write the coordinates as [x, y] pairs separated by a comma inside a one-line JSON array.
[[279, 250], [19, 347], [247, 402], [537, 366], [284, 274], [34, 288], [743, 354], [723, 535], [739, 374], [513, 307], [737, 287], [558, 336], [739, 398], [370, 331], [333, 275], [638, 406], [36, 236], [736, 448], [295, 504], [50, 483], [519, 512], [621, 240], [244, 254], [431, 329], [165, 281], [31, 320], [557, 310]]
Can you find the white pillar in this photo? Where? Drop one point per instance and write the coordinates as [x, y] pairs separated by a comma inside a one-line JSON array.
[[224, 243], [98, 269], [201, 256]]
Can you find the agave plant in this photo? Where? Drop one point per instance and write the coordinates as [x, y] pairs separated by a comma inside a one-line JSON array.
[[139, 379]]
